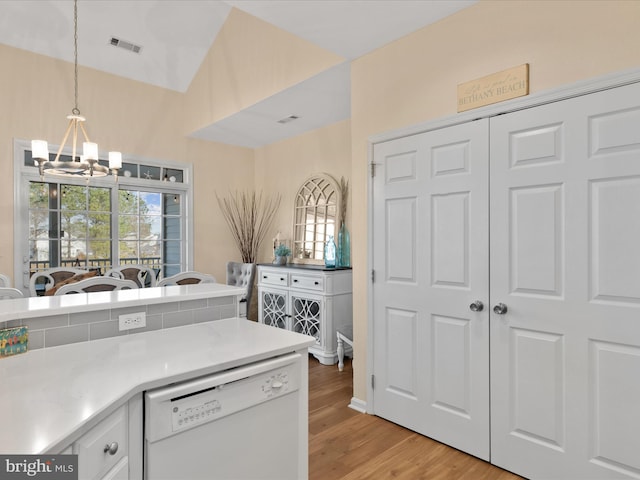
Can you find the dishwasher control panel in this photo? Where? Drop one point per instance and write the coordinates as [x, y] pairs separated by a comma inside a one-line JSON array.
[[202, 407], [193, 403], [193, 415]]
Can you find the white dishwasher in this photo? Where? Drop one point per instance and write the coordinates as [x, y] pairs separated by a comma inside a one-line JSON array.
[[239, 424]]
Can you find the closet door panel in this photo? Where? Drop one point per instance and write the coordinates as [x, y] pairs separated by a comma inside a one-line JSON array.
[[450, 240], [615, 265], [401, 242], [536, 240]]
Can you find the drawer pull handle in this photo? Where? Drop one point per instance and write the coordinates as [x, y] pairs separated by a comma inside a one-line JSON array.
[[282, 279], [316, 283], [112, 448], [265, 277], [295, 280]]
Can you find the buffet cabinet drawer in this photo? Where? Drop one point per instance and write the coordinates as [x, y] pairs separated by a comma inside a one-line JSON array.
[[104, 447], [274, 277], [308, 282]]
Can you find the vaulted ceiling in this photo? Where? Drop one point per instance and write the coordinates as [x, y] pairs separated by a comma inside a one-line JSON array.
[[174, 37]]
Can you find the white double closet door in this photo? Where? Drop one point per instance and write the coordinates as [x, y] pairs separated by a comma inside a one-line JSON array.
[[537, 210]]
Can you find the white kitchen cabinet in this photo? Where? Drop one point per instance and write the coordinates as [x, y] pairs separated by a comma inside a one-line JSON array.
[[112, 450], [307, 299]]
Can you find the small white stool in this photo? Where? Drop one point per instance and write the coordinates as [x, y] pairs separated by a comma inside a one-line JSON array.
[[342, 339]]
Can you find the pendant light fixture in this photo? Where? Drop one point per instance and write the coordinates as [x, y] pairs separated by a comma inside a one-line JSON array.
[[86, 165]]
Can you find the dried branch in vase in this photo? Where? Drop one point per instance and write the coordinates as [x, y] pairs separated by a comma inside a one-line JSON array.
[[249, 217]]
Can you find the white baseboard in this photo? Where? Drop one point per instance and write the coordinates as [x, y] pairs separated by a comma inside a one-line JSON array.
[[358, 405]]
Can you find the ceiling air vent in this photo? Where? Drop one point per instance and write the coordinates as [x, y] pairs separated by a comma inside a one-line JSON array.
[[288, 119], [116, 42]]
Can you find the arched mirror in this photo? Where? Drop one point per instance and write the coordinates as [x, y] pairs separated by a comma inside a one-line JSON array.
[[317, 207]]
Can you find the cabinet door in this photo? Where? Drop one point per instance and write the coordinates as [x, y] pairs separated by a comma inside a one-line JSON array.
[[274, 308], [307, 314], [95, 460], [119, 472]]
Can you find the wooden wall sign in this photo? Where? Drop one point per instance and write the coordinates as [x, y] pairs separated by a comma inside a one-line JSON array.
[[494, 88]]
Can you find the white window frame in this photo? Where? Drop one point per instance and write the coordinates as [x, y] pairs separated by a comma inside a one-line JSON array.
[[24, 174]]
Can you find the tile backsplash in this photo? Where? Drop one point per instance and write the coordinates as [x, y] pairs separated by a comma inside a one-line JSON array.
[[54, 330]]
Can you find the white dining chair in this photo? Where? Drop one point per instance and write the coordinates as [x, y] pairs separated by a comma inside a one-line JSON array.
[[242, 275], [8, 292], [141, 274], [4, 281], [52, 276], [97, 284], [187, 278]]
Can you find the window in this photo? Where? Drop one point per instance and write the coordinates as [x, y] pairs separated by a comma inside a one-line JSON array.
[[141, 219], [150, 230], [69, 226]]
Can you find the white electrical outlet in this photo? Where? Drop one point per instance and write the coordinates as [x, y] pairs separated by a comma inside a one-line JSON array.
[[132, 320]]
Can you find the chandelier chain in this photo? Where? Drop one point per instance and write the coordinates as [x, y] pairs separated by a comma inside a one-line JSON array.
[[88, 164], [75, 110]]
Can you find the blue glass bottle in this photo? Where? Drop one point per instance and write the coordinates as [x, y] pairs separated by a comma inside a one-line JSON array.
[[330, 253], [344, 247]]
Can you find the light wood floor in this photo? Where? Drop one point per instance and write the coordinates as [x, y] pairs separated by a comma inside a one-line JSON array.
[[345, 444]]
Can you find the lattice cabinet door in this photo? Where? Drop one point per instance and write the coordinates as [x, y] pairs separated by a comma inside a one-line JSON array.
[[307, 316], [274, 309]]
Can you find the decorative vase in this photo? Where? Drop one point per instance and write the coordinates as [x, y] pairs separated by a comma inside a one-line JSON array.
[[344, 247], [280, 260], [330, 253]]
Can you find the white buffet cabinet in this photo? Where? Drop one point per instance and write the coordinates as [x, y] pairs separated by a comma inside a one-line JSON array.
[[308, 299]]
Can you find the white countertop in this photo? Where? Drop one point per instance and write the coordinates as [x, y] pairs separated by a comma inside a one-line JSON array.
[[31, 307], [49, 397]]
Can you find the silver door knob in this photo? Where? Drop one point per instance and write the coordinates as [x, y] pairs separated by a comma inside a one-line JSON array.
[[476, 306], [111, 448], [500, 309]]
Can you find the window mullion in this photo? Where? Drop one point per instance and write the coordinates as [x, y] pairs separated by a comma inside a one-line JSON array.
[[115, 225]]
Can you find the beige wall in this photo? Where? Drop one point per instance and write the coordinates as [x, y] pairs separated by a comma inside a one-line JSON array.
[[282, 168], [218, 170], [414, 80]]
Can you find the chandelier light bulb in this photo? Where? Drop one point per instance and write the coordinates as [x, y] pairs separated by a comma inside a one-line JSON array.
[[40, 149], [90, 150], [115, 160]]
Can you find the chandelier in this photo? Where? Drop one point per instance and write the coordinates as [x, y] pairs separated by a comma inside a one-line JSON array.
[[85, 165]]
